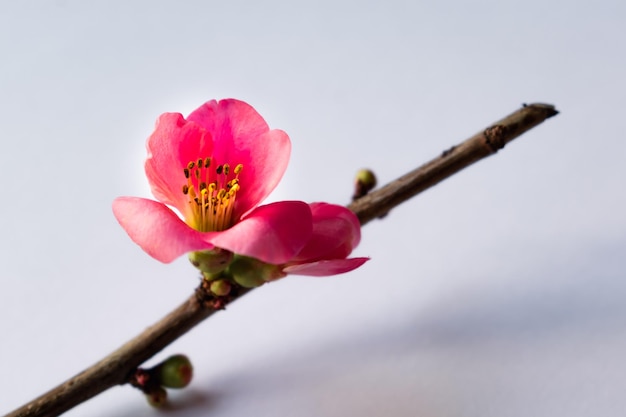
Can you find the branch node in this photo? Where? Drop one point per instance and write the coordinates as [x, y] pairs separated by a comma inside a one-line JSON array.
[[448, 151], [495, 137], [209, 300]]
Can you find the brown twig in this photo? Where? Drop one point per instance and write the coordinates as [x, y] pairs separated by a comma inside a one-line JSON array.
[[451, 161], [117, 367]]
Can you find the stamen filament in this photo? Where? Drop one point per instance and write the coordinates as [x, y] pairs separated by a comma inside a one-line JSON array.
[[211, 194]]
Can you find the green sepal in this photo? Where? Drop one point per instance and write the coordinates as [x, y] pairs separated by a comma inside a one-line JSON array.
[[211, 261], [252, 273]]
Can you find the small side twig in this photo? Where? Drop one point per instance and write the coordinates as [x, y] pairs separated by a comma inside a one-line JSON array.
[[451, 161], [118, 367]]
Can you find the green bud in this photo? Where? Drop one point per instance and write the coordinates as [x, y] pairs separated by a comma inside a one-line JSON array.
[[211, 261], [251, 273], [157, 398], [364, 182], [248, 280], [366, 177], [175, 372], [220, 287]]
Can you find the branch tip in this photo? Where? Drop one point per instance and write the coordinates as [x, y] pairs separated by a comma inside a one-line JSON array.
[[548, 109]]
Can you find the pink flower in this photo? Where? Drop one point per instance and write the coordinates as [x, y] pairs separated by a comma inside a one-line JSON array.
[[214, 168], [336, 232]]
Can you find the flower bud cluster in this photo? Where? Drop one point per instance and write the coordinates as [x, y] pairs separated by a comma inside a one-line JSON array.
[[174, 372], [223, 270]]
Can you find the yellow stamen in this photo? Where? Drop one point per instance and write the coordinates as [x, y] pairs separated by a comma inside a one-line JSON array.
[[211, 194]]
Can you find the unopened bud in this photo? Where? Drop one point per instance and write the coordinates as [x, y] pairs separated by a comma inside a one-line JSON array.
[[175, 372], [211, 261], [220, 287], [364, 182], [157, 398], [251, 273]]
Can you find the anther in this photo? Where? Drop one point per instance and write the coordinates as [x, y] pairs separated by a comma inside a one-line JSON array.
[[210, 195], [232, 183]]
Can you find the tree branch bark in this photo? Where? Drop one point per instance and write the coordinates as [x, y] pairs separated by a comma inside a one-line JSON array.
[[118, 367], [451, 161]]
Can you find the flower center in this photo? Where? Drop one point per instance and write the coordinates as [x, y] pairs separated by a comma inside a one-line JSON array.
[[212, 194]]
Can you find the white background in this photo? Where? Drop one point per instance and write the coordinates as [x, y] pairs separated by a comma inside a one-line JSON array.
[[500, 292]]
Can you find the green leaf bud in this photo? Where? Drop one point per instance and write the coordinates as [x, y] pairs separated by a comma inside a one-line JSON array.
[[175, 372], [220, 287], [157, 398], [364, 182]]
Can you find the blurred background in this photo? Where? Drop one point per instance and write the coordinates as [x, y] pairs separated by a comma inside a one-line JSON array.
[[500, 292]]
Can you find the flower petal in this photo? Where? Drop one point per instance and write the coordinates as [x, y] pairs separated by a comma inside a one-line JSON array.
[[241, 136], [157, 229], [325, 268], [229, 120], [273, 233], [336, 232], [171, 146]]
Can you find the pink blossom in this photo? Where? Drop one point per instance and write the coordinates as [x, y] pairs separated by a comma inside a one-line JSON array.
[[214, 168], [336, 232]]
